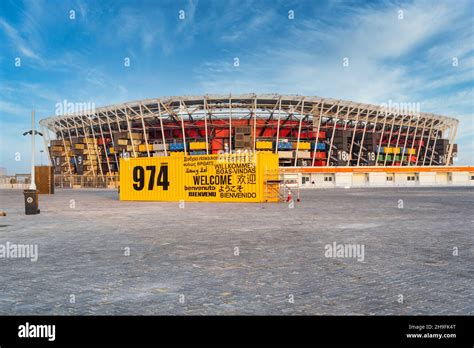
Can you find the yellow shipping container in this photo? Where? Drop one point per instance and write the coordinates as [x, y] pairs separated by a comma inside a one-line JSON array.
[[176, 154], [111, 150], [79, 146], [130, 148], [411, 151], [199, 145], [264, 145], [207, 178], [396, 150], [57, 148], [142, 147], [304, 145]]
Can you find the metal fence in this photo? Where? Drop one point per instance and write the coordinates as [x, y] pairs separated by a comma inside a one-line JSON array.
[[83, 181]]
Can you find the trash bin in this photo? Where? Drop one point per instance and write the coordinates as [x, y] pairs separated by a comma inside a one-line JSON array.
[[31, 202]]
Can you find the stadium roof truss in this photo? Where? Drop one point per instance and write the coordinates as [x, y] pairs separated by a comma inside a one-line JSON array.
[[184, 113]]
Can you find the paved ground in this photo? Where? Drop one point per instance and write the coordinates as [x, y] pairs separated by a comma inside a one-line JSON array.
[[190, 252]]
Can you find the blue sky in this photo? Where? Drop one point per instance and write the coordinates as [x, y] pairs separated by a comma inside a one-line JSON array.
[[82, 60]]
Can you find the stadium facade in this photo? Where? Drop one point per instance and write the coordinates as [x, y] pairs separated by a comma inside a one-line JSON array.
[[304, 131]]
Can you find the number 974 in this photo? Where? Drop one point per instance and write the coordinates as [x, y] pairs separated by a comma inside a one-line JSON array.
[[161, 179]]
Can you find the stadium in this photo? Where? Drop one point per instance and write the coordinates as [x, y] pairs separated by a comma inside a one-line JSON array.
[[305, 132]]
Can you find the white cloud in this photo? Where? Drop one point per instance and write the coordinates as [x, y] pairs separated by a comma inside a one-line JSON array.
[[13, 109], [19, 43], [389, 59]]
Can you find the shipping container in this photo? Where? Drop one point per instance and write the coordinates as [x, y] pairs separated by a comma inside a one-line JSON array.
[[160, 147], [264, 145], [199, 145], [209, 178], [159, 154], [195, 153], [303, 154], [143, 147], [304, 145], [177, 147], [320, 155], [222, 133], [217, 144], [102, 141], [285, 154], [243, 130], [285, 146], [320, 146]]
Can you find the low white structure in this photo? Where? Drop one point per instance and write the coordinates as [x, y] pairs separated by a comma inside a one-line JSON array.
[[377, 179], [427, 179], [343, 177], [460, 178]]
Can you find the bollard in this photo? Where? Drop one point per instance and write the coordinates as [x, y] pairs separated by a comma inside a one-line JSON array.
[[31, 202]]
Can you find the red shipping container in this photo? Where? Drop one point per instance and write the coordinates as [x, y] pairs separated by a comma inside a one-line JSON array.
[[319, 163], [102, 141], [321, 155], [217, 144], [420, 141], [177, 133], [308, 135], [192, 133], [322, 134], [268, 133], [222, 133]]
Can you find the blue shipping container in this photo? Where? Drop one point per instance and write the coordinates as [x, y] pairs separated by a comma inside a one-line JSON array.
[[177, 147]]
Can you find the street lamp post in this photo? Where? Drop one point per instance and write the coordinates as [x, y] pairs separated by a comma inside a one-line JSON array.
[[33, 183], [31, 195]]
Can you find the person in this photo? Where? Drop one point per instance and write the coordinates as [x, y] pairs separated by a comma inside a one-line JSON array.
[[289, 198]]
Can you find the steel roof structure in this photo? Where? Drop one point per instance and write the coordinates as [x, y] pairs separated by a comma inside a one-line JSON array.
[[186, 112], [189, 107]]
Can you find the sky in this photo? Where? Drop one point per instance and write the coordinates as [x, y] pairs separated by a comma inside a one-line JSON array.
[[76, 51]]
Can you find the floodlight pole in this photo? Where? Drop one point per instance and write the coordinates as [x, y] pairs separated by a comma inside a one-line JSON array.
[[33, 184]]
